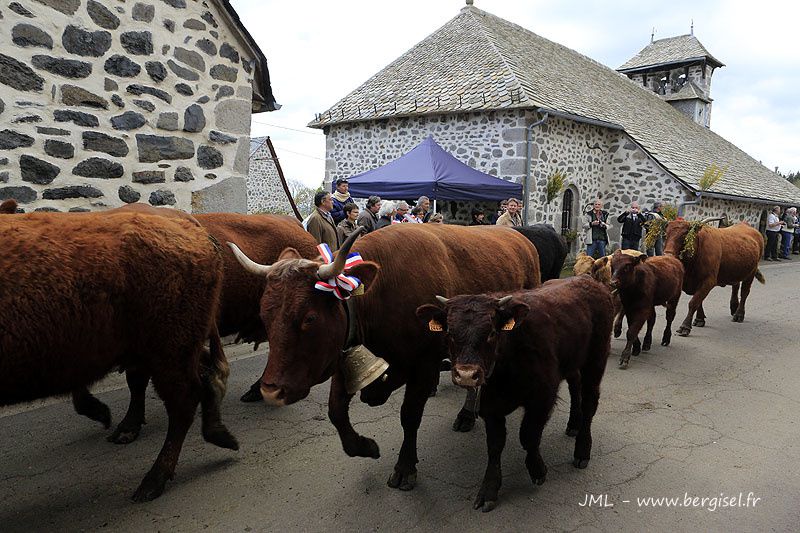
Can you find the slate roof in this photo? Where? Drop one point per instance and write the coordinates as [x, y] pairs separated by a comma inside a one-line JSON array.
[[669, 51], [689, 91], [494, 64]]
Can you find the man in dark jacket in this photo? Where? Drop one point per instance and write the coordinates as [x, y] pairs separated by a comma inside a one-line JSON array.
[[596, 228], [632, 222], [341, 197], [369, 216]]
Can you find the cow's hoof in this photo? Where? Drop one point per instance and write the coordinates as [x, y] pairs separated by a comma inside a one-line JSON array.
[[699, 322], [623, 364], [665, 342], [220, 436], [571, 432], [124, 434], [738, 318], [646, 346], [363, 447], [483, 504], [617, 332], [253, 394], [580, 463], [683, 331], [465, 421], [152, 487], [402, 481]]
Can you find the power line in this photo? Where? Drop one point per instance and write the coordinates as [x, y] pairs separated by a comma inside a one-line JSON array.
[[290, 129], [298, 153]]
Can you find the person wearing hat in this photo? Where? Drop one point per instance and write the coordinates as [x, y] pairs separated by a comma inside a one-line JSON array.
[[658, 246], [341, 197]]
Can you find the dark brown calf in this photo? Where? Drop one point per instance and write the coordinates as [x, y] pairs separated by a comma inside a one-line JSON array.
[[519, 348], [643, 283]]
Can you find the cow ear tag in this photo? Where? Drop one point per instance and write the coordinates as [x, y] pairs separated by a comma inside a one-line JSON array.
[[359, 290], [434, 325], [508, 326]]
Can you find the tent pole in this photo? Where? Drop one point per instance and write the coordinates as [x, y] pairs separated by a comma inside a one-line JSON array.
[[434, 206]]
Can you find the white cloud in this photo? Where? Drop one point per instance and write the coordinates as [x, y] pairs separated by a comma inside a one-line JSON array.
[[319, 51]]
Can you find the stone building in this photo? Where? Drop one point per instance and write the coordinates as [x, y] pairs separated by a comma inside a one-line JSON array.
[[267, 190], [515, 105], [106, 103]]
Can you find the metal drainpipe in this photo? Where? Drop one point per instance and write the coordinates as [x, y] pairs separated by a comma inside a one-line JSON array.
[[681, 205], [526, 186]]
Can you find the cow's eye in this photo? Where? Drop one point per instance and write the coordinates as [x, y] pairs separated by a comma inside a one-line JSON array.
[[309, 319]]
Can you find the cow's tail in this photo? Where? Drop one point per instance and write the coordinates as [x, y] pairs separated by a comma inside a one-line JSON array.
[[215, 371], [760, 277]]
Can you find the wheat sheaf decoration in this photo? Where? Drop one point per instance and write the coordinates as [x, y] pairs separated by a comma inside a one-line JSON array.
[[711, 176], [657, 226], [690, 241], [555, 184]]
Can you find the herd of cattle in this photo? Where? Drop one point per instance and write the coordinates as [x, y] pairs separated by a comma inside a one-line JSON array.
[[150, 291]]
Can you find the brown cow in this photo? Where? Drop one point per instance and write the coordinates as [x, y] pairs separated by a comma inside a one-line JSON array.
[[82, 295], [307, 327], [518, 348], [723, 256], [262, 237], [643, 283], [583, 265]]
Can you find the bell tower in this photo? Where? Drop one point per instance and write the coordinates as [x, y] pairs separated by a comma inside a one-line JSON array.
[[678, 69]]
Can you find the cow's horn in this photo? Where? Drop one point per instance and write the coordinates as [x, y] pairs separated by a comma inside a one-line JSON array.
[[442, 300], [249, 264], [504, 300], [337, 267], [710, 219]]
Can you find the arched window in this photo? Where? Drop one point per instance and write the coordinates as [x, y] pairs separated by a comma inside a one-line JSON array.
[[566, 211]]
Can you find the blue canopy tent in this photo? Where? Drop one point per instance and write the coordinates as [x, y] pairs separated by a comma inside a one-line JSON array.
[[429, 170]]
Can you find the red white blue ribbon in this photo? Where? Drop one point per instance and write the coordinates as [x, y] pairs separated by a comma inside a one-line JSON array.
[[342, 285]]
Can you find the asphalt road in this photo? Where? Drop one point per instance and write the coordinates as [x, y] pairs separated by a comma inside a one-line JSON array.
[[715, 413]]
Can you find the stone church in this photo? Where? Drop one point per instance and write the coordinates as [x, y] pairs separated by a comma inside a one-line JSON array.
[[520, 107], [106, 103]]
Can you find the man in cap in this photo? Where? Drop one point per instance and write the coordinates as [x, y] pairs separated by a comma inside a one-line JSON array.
[[341, 197]]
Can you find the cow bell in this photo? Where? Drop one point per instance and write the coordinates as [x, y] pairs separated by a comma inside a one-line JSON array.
[[361, 367]]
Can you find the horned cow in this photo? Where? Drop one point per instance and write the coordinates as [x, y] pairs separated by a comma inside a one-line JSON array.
[[722, 256]]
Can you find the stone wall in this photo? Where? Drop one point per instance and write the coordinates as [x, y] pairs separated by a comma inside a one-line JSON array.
[[265, 192], [597, 162], [105, 103]]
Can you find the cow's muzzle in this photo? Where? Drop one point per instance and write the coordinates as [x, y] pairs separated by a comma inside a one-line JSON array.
[[273, 394], [468, 376]]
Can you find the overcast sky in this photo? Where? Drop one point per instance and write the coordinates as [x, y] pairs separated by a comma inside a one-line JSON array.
[[320, 50]]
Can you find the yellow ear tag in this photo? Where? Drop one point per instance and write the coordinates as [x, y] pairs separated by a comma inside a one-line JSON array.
[[509, 325], [359, 290], [434, 325]]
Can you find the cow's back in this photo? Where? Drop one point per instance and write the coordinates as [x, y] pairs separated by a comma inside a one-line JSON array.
[[262, 238], [419, 262], [741, 248], [82, 294], [551, 246]]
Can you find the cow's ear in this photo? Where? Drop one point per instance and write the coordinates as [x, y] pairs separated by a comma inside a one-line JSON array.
[[434, 317], [366, 272], [642, 258], [512, 314], [289, 253], [581, 254]]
